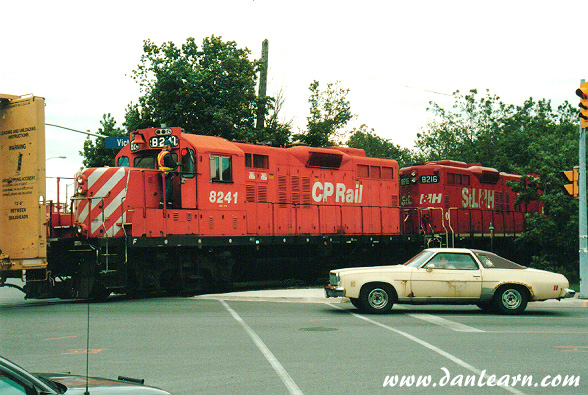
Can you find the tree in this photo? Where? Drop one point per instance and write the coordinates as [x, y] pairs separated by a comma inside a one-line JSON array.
[[377, 147], [459, 133], [94, 152], [329, 112], [208, 90], [551, 146], [530, 139], [276, 132]]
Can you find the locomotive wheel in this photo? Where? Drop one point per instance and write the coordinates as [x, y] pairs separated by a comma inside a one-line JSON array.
[[99, 292]]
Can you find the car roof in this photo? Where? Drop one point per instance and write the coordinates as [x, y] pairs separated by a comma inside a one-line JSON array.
[[462, 250]]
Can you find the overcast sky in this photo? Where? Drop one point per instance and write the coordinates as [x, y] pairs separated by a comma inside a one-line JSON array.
[[79, 55]]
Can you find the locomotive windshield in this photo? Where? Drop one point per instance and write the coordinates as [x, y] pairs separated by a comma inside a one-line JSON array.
[[148, 161]]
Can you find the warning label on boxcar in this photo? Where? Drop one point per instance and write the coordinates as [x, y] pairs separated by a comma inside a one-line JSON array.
[[22, 178]]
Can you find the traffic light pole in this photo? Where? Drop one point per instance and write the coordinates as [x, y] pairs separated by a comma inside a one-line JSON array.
[[583, 215]]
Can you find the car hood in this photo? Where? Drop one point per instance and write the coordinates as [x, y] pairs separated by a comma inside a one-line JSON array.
[[99, 386], [372, 269]]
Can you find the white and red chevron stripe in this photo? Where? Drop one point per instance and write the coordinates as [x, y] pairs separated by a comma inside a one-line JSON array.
[[102, 208]]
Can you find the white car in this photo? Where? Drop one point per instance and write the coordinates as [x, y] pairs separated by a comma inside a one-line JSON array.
[[448, 276], [15, 380]]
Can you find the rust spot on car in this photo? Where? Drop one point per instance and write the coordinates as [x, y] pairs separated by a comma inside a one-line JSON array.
[[530, 288], [411, 295], [456, 287], [403, 283]]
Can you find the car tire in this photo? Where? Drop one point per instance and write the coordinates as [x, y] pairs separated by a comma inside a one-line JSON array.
[[510, 299], [377, 298], [355, 302], [486, 306]]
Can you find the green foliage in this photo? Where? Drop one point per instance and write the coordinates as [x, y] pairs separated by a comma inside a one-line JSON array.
[[329, 113], [94, 152], [208, 90], [275, 132], [377, 147], [530, 139]]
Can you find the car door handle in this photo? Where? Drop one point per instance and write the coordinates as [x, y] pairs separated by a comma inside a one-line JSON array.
[[476, 275]]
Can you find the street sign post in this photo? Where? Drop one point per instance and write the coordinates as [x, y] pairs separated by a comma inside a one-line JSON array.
[[582, 92]]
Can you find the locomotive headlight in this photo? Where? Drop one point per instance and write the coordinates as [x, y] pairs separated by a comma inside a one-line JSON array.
[[81, 229], [413, 173], [413, 180], [82, 185]]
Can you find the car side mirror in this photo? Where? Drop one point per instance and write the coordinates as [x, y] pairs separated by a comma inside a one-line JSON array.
[[430, 267]]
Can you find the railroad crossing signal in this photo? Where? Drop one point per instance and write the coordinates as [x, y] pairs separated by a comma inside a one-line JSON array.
[[572, 176], [582, 92]]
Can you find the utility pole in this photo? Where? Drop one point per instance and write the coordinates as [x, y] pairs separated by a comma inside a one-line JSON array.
[[262, 84], [582, 92]]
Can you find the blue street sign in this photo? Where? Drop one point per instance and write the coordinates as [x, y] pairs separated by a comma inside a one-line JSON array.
[[116, 142]]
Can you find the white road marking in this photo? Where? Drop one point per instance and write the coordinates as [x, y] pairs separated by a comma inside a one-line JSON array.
[[431, 347], [279, 369], [454, 326]]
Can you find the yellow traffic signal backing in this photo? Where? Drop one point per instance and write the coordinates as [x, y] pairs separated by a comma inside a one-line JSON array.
[[582, 93], [572, 176]]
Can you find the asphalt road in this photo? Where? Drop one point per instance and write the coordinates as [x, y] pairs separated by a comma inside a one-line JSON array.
[[296, 342]]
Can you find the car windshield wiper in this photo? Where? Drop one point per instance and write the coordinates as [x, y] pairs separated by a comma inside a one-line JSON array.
[[53, 384]]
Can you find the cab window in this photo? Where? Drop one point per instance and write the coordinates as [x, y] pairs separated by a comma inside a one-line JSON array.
[[221, 169], [188, 170], [149, 161], [257, 161], [123, 161], [144, 162]]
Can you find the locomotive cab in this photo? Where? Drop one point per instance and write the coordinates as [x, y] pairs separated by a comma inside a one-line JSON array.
[[142, 153]]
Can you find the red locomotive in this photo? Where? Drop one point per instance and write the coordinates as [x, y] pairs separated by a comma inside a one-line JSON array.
[[245, 211], [237, 189], [449, 199], [239, 210]]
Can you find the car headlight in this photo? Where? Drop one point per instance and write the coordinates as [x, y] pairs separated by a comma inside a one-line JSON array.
[[334, 279]]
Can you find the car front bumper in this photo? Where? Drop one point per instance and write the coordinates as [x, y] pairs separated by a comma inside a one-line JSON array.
[[332, 291]]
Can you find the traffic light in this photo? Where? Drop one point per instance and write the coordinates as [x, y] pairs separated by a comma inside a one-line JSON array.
[[582, 92], [572, 176]]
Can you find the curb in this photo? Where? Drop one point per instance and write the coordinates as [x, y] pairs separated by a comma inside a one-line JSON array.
[[316, 295]]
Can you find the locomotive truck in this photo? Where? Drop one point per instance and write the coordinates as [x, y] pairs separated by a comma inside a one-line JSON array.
[[245, 212]]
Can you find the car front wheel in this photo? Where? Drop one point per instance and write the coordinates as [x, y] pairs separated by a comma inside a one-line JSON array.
[[355, 302], [510, 299], [377, 298]]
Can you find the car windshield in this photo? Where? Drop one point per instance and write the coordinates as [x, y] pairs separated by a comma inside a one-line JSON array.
[[419, 259]]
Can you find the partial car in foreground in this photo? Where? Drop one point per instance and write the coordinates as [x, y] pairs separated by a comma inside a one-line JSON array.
[[448, 276], [15, 380]]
